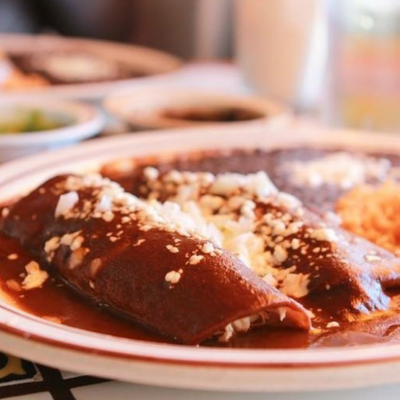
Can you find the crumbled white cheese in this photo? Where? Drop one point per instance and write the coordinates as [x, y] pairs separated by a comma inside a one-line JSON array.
[[230, 183], [269, 278], [280, 254], [207, 248], [310, 314], [66, 203], [295, 285], [260, 185], [68, 238], [108, 216], [340, 169], [12, 256], [210, 204], [227, 334], [295, 244], [241, 325], [195, 259], [287, 201], [104, 204], [35, 277], [324, 234], [333, 324], [139, 242], [282, 313], [173, 277], [151, 173], [227, 184], [51, 246], [172, 249], [247, 209], [222, 209]]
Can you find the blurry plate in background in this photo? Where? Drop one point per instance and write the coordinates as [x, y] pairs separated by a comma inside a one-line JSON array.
[[169, 107], [146, 62]]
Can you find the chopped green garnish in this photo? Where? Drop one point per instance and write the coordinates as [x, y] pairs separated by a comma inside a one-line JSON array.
[[25, 121]]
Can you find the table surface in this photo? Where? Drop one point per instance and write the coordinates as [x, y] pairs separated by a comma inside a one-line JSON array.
[[23, 380]]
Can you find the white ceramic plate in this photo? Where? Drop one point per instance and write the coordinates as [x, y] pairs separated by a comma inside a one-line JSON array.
[[176, 365], [152, 61]]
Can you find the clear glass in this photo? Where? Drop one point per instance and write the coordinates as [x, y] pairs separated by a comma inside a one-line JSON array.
[[363, 70], [280, 49]]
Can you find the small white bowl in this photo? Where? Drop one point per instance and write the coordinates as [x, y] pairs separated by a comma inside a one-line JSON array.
[[151, 108], [86, 121]]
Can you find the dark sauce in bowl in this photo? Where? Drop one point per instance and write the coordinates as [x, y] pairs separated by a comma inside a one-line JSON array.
[[211, 114]]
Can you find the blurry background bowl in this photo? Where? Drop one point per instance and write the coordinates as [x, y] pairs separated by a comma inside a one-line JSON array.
[[58, 123], [161, 108]]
